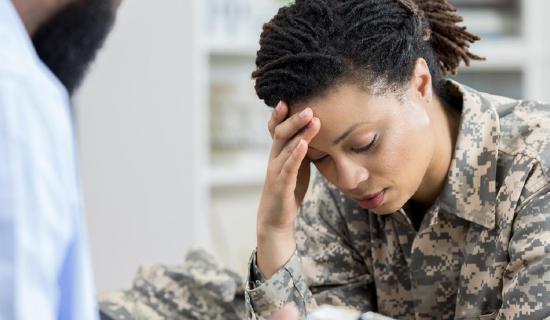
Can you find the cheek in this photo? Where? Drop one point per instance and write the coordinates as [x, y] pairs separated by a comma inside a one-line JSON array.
[[406, 156], [407, 146]]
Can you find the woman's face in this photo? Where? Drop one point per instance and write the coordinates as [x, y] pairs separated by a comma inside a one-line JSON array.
[[375, 149]]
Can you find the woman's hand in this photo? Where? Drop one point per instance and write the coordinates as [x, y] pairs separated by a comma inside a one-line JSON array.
[[288, 312], [285, 186]]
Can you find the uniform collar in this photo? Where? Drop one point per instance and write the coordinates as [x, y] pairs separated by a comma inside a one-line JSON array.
[[470, 190]]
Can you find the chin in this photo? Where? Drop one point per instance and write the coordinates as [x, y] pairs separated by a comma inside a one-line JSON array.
[[388, 208]]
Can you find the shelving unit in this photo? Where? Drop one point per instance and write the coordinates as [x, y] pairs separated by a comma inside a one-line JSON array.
[[233, 175], [514, 55]]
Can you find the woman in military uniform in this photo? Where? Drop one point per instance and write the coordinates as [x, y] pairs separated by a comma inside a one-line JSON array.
[[430, 199]]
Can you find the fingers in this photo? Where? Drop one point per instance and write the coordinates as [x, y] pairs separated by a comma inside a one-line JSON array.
[[289, 171], [291, 137], [277, 116], [307, 134], [289, 128], [311, 130], [287, 151]]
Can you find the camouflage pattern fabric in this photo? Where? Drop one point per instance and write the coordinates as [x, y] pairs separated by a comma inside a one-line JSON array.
[[201, 288], [482, 251]]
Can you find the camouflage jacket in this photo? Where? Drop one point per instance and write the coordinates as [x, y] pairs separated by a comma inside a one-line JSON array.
[[482, 251], [200, 289]]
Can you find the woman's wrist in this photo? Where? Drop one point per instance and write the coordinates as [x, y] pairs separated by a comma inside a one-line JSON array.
[[274, 249]]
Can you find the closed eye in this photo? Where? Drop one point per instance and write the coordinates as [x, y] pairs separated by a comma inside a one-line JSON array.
[[367, 147]]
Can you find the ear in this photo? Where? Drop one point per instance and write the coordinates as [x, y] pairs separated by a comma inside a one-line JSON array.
[[421, 81]]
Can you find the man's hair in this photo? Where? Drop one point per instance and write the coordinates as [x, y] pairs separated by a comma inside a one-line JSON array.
[[313, 45]]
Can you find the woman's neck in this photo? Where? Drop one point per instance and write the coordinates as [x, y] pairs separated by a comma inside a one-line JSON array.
[[446, 121]]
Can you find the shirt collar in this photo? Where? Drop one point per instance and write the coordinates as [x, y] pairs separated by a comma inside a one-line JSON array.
[[15, 38], [470, 190], [19, 36]]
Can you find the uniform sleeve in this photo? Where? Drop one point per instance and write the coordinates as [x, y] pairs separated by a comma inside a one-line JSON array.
[[526, 283], [325, 269]]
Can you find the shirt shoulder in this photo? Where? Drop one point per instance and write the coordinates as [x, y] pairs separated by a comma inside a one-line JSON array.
[[524, 142], [525, 128]]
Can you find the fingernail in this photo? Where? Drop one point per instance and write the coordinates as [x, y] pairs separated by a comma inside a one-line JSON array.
[[304, 113], [278, 107], [310, 124]]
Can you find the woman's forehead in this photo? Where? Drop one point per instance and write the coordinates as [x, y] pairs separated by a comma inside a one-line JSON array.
[[345, 103]]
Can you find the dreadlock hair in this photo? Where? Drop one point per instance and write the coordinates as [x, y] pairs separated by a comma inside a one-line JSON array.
[[312, 45]]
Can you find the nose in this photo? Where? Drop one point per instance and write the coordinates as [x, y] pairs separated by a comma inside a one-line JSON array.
[[350, 174]]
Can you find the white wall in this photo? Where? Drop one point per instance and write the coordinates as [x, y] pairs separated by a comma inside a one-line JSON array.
[[135, 125]]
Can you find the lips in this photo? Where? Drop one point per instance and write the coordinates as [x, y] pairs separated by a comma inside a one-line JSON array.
[[370, 196], [371, 201]]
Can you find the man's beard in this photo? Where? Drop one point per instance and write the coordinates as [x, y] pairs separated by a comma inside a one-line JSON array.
[[68, 43]]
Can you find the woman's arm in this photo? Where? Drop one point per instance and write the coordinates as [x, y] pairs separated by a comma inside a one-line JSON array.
[[326, 268], [526, 283]]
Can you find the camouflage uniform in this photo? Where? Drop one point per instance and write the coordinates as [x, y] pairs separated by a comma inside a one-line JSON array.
[[199, 289], [482, 251]]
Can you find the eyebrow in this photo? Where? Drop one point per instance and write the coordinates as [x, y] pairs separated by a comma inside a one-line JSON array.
[[347, 132]]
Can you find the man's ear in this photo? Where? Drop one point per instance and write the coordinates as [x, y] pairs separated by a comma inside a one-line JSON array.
[[421, 81]]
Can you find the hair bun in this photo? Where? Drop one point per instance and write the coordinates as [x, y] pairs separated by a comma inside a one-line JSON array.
[[450, 41]]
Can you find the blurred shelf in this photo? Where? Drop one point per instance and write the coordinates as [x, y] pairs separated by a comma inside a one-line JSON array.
[[506, 53], [238, 170], [222, 47]]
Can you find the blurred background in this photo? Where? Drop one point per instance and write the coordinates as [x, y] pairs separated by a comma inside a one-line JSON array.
[[174, 141]]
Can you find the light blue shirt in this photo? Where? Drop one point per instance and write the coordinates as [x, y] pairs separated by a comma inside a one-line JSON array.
[[45, 267]]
